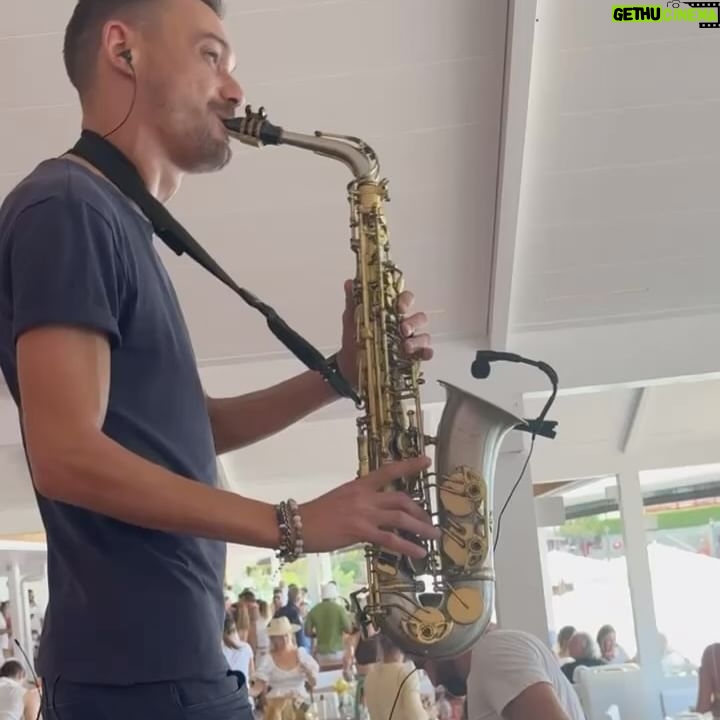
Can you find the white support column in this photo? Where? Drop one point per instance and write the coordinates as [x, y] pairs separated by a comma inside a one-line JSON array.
[[326, 574], [314, 576], [546, 580], [19, 613], [520, 595], [640, 581]]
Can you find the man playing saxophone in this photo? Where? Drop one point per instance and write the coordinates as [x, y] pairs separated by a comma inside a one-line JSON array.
[[121, 439]]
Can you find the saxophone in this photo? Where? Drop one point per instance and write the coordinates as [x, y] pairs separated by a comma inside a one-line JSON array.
[[439, 606]]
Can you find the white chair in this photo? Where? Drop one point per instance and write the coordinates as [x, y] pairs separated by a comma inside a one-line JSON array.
[[678, 693], [610, 688], [612, 713]]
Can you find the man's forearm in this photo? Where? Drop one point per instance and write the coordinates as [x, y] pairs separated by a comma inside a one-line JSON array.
[[241, 421], [100, 475]]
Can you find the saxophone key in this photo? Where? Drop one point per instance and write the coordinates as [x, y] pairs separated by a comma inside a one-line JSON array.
[[468, 550], [463, 493], [465, 605], [427, 626]]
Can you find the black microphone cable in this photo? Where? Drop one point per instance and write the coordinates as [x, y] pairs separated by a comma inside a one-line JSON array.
[[397, 697], [127, 56], [32, 670]]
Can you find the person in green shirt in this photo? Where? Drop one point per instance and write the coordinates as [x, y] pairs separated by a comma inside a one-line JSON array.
[[327, 622]]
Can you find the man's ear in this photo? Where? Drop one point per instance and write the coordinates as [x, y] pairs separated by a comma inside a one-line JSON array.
[[119, 43]]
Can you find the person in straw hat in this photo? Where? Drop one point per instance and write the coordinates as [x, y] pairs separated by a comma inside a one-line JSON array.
[[286, 673]]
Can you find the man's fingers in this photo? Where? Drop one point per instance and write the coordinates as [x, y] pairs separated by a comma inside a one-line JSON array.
[[401, 501], [400, 520], [394, 543], [405, 302], [411, 325], [384, 475], [417, 344]]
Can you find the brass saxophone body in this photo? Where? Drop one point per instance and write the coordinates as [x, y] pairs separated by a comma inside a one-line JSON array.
[[439, 606]]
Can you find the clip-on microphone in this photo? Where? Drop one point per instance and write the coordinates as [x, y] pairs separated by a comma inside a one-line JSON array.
[[480, 369]]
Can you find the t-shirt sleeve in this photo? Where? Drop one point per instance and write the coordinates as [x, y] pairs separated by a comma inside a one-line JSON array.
[[65, 269], [502, 668]]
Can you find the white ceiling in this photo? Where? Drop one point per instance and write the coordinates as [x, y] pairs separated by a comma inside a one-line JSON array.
[[617, 215], [647, 427], [429, 101], [620, 215]]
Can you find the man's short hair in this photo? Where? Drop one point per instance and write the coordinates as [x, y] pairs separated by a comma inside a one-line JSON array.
[[83, 32], [12, 669]]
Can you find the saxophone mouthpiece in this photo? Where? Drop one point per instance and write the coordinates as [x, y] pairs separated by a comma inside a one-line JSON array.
[[254, 128]]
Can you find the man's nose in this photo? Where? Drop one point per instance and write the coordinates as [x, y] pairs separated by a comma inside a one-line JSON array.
[[233, 93]]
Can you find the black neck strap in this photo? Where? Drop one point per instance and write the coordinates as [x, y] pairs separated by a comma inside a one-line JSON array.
[[117, 168]]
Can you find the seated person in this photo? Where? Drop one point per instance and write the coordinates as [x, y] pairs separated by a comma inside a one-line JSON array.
[[367, 654], [563, 641], [392, 686], [508, 675], [585, 653], [16, 701], [709, 682], [238, 653], [610, 651]]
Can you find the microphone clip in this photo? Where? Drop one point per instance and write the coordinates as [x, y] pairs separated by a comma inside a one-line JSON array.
[[543, 428], [539, 426]]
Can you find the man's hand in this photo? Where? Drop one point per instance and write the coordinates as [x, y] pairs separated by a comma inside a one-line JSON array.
[[417, 345], [360, 512]]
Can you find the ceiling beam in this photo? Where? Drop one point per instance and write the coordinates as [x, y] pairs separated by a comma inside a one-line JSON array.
[[636, 416], [544, 488], [520, 36]]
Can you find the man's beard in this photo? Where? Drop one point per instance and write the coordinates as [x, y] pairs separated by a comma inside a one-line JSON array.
[[202, 151], [452, 681], [192, 143], [456, 686]]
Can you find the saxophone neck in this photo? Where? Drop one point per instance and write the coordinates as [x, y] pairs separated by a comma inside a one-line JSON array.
[[256, 130]]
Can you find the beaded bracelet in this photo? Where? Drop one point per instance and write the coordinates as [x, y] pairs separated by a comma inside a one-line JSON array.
[[291, 538]]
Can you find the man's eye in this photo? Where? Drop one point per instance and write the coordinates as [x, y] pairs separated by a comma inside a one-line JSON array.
[[214, 56]]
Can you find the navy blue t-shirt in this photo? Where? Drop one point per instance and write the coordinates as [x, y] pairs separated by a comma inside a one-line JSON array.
[[126, 604]]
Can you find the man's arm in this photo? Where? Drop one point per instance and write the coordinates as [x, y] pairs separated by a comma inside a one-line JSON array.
[[63, 409], [537, 702], [241, 421]]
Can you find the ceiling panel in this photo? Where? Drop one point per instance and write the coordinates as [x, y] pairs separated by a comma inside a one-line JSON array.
[[619, 212], [683, 409], [586, 420]]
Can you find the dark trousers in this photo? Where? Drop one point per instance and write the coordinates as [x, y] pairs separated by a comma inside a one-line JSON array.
[[225, 698]]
